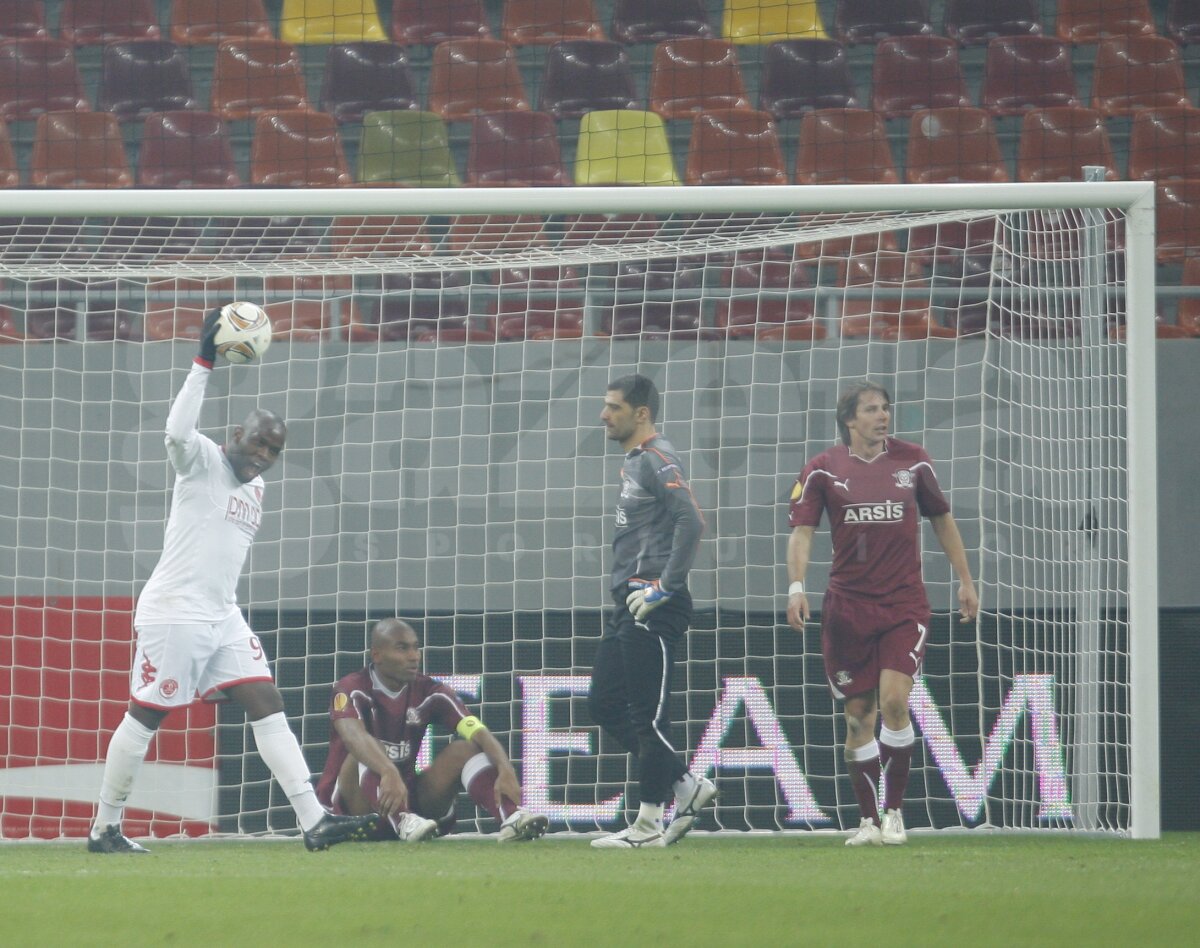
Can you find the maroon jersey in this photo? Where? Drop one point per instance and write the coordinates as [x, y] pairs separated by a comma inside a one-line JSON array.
[[397, 719], [874, 516]]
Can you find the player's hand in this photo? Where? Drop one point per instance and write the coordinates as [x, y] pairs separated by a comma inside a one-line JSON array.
[[393, 793], [507, 785], [968, 602], [646, 597], [798, 612], [208, 334]]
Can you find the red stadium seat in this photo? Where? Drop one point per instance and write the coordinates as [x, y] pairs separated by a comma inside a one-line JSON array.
[[1090, 21], [186, 150], [429, 22], [1165, 144], [949, 145], [869, 21], [470, 76], [252, 76], [515, 149], [735, 146], [975, 22], [545, 316], [695, 75], [23, 19], [79, 150], [542, 22], [36, 76], [93, 22], [208, 22], [379, 237], [1178, 220], [637, 21], [298, 149], [917, 72], [887, 298], [10, 176], [767, 316], [8, 327], [801, 75], [300, 320], [1026, 72], [1057, 143], [1137, 72], [844, 146]]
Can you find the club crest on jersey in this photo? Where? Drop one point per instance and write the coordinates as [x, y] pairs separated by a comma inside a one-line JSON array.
[[167, 687], [842, 678], [904, 478], [412, 717], [890, 511]]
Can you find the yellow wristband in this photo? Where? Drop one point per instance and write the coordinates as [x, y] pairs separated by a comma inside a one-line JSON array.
[[468, 726]]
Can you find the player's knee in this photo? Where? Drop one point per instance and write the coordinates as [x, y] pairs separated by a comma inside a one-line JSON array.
[[860, 728], [605, 713]]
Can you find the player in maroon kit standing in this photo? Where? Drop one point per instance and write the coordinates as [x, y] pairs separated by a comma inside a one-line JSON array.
[[875, 619], [380, 714]]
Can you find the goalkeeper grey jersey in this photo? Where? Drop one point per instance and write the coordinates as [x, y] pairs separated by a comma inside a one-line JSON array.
[[658, 521]]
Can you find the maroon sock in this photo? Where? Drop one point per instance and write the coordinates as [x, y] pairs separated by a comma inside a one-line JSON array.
[[895, 762], [864, 777], [479, 779]]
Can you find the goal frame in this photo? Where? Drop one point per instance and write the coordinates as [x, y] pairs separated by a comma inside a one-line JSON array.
[[1134, 199]]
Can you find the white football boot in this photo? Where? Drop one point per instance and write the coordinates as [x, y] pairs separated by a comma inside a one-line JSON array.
[[521, 826], [692, 795], [892, 830], [867, 834], [636, 836], [411, 828]]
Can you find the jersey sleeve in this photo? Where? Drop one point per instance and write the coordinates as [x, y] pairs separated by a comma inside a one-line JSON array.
[[184, 447], [662, 475], [807, 500], [443, 707], [930, 499], [345, 700]]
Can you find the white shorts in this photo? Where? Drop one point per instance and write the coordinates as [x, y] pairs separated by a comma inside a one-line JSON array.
[[175, 664]]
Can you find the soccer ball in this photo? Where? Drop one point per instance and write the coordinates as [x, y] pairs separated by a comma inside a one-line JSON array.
[[243, 332]]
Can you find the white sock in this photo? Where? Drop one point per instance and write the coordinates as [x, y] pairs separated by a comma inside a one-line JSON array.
[[126, 751], [683, 786], [280, 751], [651, 814]]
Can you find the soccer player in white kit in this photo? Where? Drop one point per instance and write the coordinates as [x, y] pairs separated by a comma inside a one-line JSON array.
[[191, 637]]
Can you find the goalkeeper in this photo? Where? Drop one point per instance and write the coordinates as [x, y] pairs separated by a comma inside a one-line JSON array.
[[658, 528]]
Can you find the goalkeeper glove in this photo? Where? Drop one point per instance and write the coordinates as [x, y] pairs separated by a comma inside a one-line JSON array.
[[646, 597], [208, 338]]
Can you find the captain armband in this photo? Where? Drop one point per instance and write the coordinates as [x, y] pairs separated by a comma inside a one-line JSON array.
[[469, 726]]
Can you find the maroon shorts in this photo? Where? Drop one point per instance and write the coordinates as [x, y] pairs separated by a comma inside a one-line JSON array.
[[860, 637]]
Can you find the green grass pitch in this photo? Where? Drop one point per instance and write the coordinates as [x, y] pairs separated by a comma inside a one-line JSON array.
[[761, 890]]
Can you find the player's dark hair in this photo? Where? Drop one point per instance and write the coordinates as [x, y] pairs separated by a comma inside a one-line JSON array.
[[637, 390], [847, 405]]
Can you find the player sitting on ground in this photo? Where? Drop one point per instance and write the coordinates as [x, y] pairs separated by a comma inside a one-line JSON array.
[[380, 714]]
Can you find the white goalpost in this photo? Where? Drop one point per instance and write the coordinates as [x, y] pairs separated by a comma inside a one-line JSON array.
[[441, 357]]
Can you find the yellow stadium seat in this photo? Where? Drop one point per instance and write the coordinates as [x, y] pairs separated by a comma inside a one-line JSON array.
[[766, 21], [622, 146], [321, 22], [409, 148]]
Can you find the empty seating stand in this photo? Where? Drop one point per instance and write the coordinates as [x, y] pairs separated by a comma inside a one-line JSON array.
[[298, 149], [801, 75], [765, 21], [977, 22], [917, 72], [138, 77], [320, 22], [79, 150], [208, 22], [23, 19], [515, 149], [36, 76], [693, 75], [93, 22], [1183, 21], [844, 146], [186, 150], [1026, 72], [409, 148], [1164, 144], [869, 21], [366, 77], [542, 22], [735, 146], [636, 21], [582, 76], [1089, 21], [469, 76], [1057, 143], [252, 75], [1137, 72], [623, 147], [950, 145], [429, 22]]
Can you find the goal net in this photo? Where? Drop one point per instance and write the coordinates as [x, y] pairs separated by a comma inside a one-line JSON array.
[[441, 359]]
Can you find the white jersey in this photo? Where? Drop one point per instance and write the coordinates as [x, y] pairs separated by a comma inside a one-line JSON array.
[[213, 518]]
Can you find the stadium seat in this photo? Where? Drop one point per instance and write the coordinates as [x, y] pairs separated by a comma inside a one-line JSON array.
[[917, 72], [542, 22], [694, 75], [410, 148], [765, 21], [1183, 21], [379, 237], [8, 327], [515, 149], [164, 322], [1056, 144], [429, 22], [886, 298], [300, 320], [869, 21], [469, 76], [208, 22], [186, 150], [581, 76], [104, 318], [297, 149], [774, 270], [321, 22], [1187, 318], [23, 19], [1090, 21], [251, 76], [951, 145], [474, 233], [636, 21], [10, 176], [93, 22], [1137, 72], [79, 150], [138, 77], [1177, 214], [1027, 72], [366, 77], [50, 322], [623, 147], [735, 146], [844, 146], [801, 75], [539, 316], [976, 22], [662, 321], [36, 76], [1165, 144]]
